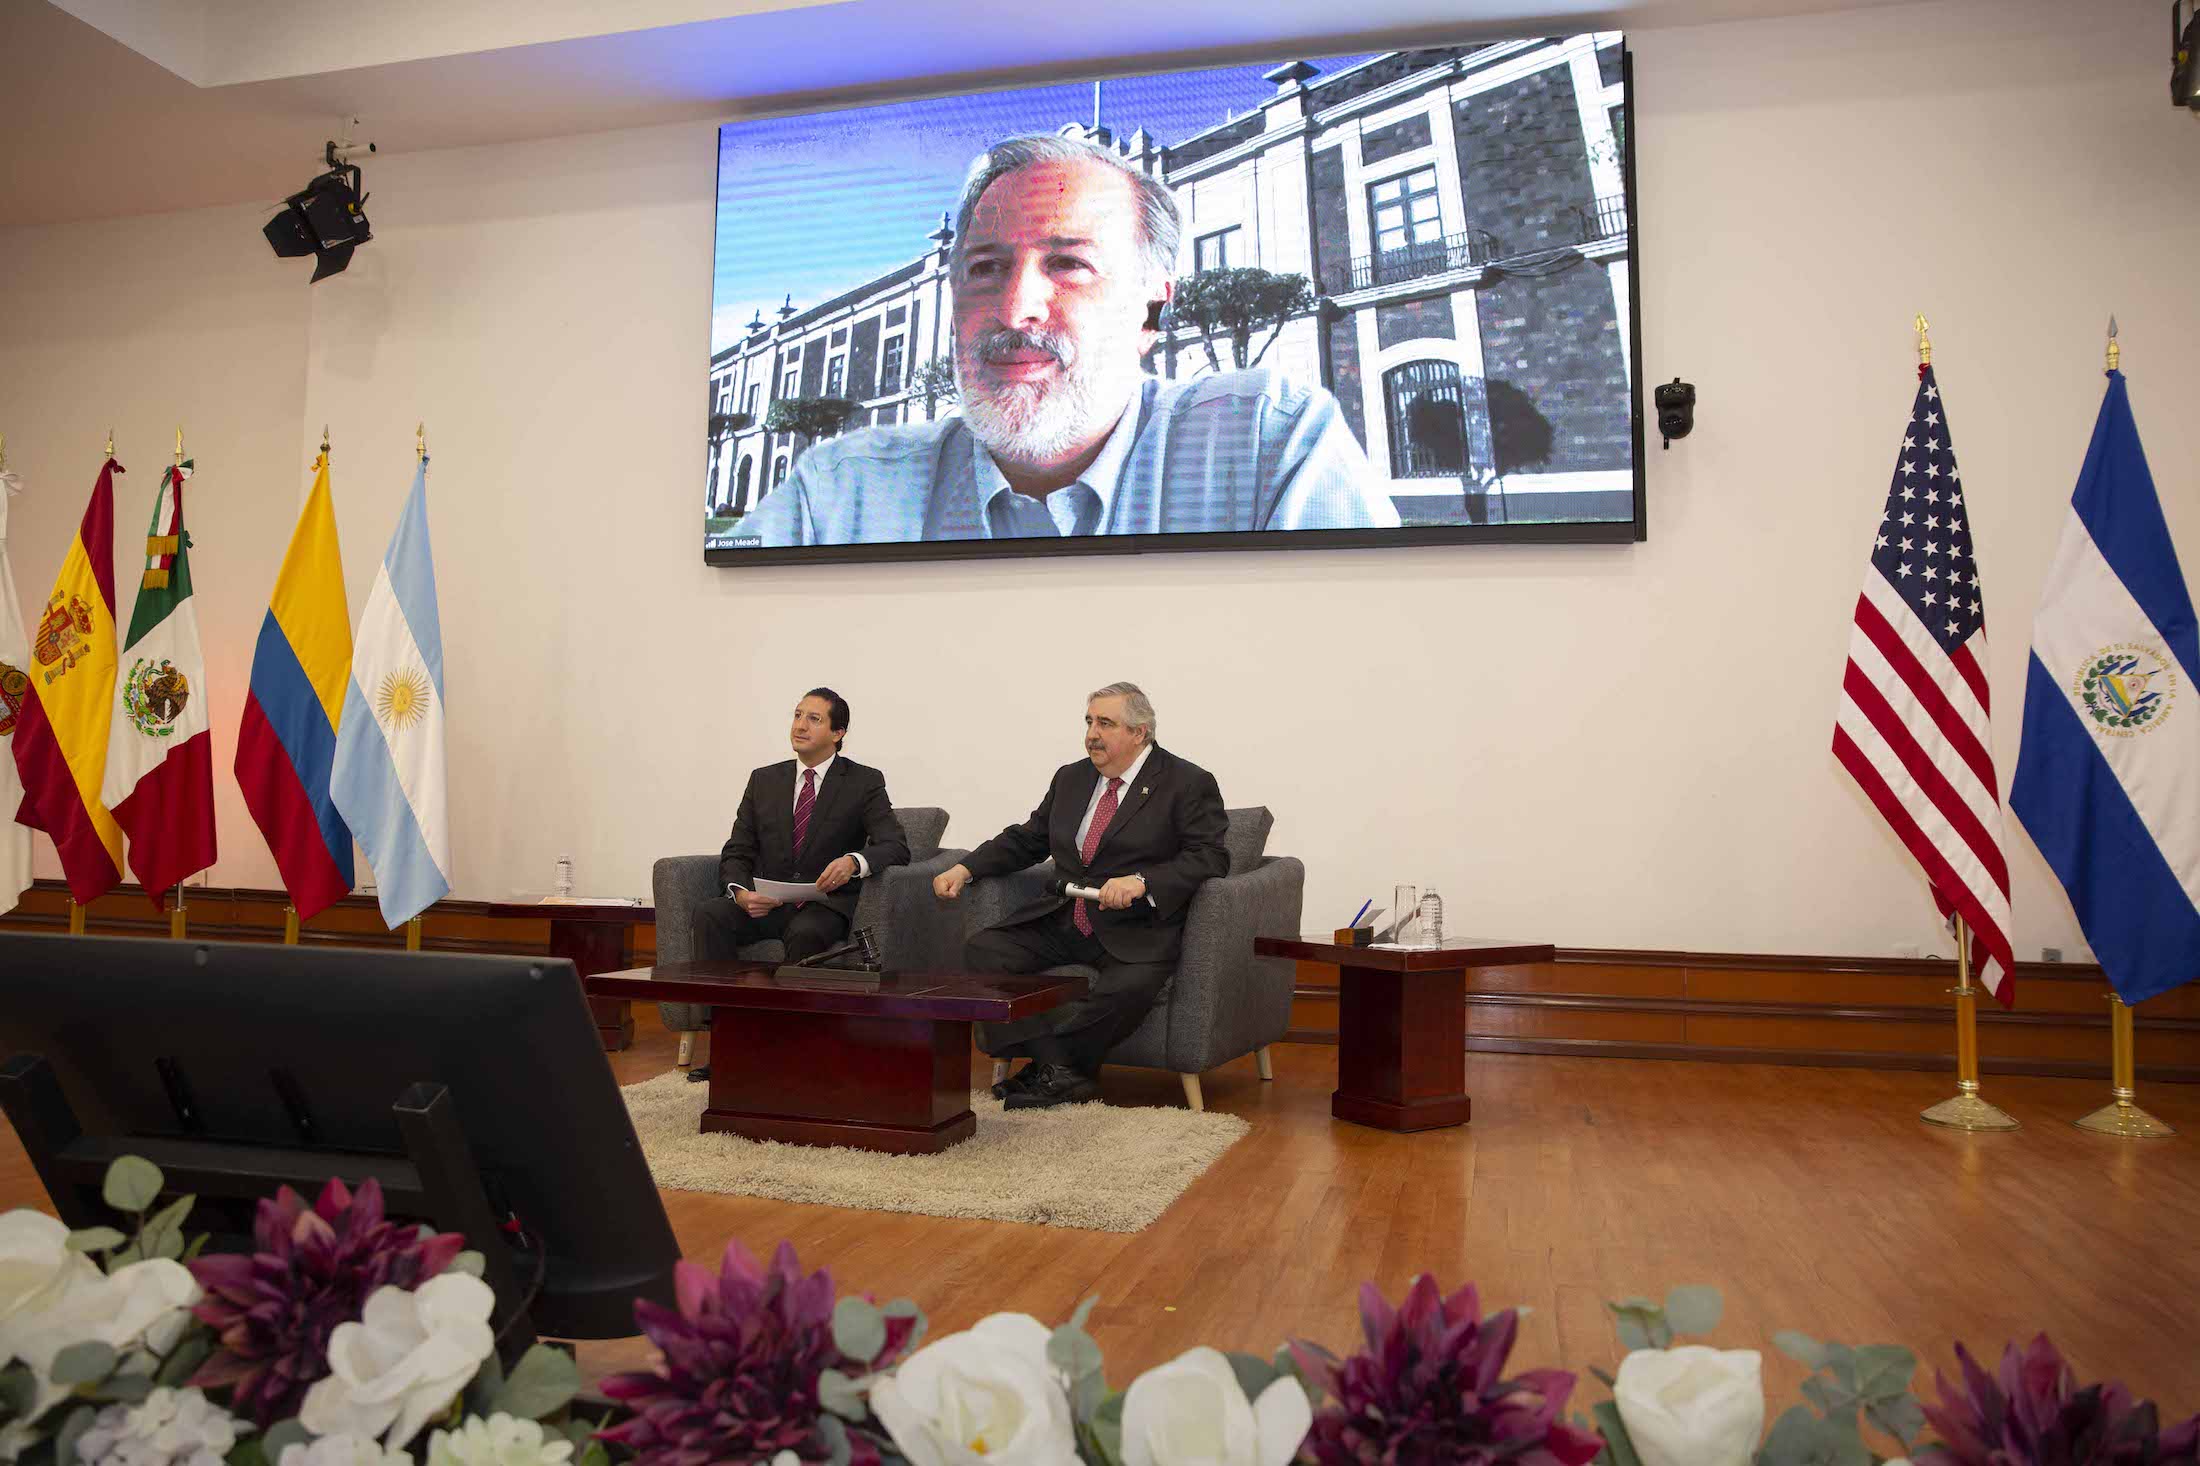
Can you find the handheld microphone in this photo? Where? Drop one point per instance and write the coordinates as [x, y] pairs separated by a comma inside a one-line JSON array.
[[1061, 886]]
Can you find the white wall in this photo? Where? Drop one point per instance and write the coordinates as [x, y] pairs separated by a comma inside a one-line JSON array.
[[1602, 746]]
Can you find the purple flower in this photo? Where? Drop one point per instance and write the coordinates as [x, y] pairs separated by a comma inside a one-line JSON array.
[[1430, 1390], [742, 1356], [275, 1309], [2032, 1413]]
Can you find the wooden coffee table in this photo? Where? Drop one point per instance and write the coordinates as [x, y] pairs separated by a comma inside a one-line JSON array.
[[879, 1061], [1402, 1025]]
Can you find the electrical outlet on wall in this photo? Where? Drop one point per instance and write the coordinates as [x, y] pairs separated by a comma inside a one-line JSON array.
[[1908, 949], [2050, 954]]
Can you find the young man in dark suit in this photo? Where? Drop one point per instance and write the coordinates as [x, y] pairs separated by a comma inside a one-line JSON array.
[[819, 816], [1146, 828]]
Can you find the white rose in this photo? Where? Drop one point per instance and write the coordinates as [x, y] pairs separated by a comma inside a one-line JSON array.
[[404, 1361], [51, 1298], [1192, 1412], [1692, 1406], [500, 1440], [986, 1397], [342, 1450]]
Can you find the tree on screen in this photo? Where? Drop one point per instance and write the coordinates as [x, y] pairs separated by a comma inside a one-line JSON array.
[[935, 383], [811, 417], [1236, 305]]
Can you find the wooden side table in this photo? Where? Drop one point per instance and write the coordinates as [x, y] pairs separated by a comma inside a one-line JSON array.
[[1402, 1025], [594, 939]]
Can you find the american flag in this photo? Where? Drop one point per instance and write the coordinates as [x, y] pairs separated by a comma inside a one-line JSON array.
[[1913, 725]]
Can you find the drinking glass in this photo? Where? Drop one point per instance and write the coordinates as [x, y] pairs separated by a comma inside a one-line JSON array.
[[1405, 904]]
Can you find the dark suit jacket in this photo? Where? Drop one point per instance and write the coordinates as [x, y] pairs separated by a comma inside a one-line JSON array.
[[852, 815], [1168, 827]]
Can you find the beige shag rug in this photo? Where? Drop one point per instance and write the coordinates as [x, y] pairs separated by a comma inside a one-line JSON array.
[[1031, 1166]]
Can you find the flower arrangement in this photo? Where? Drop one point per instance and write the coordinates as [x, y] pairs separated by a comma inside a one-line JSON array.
[[345, 1339]]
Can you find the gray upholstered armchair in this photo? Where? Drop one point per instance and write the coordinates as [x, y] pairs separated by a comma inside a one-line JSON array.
[[898, 906], [1223, 1002]]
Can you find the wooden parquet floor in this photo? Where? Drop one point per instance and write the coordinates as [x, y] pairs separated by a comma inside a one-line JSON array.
[[1813, 1197]]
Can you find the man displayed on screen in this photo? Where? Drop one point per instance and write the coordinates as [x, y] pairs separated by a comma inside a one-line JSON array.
[[1063, 263], [1145, 829], [818, 817]]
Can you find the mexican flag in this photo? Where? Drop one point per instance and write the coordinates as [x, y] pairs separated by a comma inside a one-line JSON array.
[[160, 765]]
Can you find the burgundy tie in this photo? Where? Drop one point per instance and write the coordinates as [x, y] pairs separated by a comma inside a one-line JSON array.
[[802, 805], [1101, 815]]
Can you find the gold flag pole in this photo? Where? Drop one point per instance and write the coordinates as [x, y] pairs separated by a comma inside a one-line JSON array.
[[412, 934], [290, 925], [1966, 1111], [110, 442], [2121, 1116], [177, 922], [76, 918], [1924, 342]]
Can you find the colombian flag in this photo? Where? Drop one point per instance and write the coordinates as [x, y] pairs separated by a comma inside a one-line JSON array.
[[286, 740], [61, 731]]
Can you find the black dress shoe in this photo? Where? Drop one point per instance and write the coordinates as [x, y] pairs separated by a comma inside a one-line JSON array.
[[1051, 1085], [1016, 1083], [699, 1073]]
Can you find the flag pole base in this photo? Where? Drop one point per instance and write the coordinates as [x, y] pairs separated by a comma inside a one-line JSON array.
[[1968, 1112], [76, 918], [290, 926], [2126, 1121], [412, 935]]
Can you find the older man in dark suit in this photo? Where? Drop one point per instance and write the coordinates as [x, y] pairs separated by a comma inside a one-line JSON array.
[[1146, 828], [819, 816]]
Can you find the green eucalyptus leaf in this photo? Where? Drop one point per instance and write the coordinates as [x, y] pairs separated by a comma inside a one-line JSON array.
[[95, 1239], [1619, 1449], [1254, 1373], [135, 1252], [1841, 1364], [1800, 1438], [81, 1364], [1084, 1312], [1661, 1332], [471, 1263], [281, 1435], [1604, 1375], [836, 1439], [1694, 1309], [1802, 1348], [72, 1430], [248, 1451], [859, 1328], [1105, 1429], [1901, 1417], [133, 1183], [168, 1245], [1883, 1371], [183, 1361], [1086, 1392], [483, 1388], [1634, 1305], [18, 1391], [1071, 1350], [841, 1395], [198, 1245], [593, 1454], [1632, 1335], [123, 1389], [170, 1218], [904, 1308], [1830, 1396], [540, 1384]]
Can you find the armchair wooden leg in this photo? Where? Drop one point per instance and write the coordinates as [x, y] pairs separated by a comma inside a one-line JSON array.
[[687, 1049], [1000, 1070], [1192, 1095], [1266, 1060]]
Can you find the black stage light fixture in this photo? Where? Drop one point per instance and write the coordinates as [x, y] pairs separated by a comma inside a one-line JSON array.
[[327, 218]]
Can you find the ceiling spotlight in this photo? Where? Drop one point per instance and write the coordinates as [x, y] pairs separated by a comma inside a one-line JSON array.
[[326, 218]]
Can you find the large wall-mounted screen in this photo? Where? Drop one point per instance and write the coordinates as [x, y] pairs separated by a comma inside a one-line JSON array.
[[1355, 300]]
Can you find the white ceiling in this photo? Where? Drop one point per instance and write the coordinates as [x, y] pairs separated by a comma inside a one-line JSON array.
[[120, 107]]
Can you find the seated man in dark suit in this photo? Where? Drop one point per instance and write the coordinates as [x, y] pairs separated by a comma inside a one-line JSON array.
[[1145, 827], [818, 817]]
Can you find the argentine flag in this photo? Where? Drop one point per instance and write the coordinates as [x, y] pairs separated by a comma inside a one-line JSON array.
[[389, 779], [2108, 777]]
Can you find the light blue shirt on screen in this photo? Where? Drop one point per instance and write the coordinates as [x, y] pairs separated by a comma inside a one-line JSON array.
[[1248, 450]]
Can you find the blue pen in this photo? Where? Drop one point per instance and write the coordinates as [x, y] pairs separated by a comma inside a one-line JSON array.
[[1355, 921]]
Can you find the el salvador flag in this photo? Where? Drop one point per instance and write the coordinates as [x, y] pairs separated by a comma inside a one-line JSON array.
[[2108, 778], [390, 776]]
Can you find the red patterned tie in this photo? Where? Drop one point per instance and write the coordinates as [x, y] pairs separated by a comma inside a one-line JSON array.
[[802, 805], [1101, 815]]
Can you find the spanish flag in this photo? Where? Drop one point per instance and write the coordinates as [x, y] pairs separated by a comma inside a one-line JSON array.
[[286, 741], [61, 731]]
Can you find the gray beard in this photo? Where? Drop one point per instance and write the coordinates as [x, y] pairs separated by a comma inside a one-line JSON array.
[[1031, 425]]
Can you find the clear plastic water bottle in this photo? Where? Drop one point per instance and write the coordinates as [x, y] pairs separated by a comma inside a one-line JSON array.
[[564, 886], [1432, 918]]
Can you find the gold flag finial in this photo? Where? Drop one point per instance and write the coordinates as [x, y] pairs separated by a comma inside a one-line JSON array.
[[3, 450], [1924, 342], [110, 442], [420, 441], [324, 437], [2115, 352], [179, 445]]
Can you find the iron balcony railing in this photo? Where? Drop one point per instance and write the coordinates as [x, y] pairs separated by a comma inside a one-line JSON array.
[[1604, 219], [1415, 262]]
